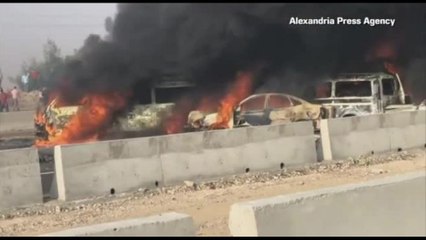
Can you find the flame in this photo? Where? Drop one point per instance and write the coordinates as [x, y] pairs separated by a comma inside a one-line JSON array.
[[391, 68], [175, 123], [240, 90], [39, 118], [90, 121], [394, 69], [208, 104], [385, 50], [177, 120]]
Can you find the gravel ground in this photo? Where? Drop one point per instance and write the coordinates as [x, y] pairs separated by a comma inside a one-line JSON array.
[[208, 202]]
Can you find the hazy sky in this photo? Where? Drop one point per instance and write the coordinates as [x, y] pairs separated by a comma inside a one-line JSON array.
[[24, 28]]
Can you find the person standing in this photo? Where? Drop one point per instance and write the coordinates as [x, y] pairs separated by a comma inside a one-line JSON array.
[[24, 80], [43, 100], [15, 101], [4, 106]]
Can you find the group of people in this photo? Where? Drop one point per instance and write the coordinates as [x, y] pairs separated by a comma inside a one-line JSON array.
[[9, 98]]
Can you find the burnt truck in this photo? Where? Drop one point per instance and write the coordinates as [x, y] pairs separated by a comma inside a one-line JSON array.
[[144, 118], [357, 94]]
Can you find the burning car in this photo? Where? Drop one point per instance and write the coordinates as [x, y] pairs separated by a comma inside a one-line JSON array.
[[93, 118], [263, 109], [140, 118]]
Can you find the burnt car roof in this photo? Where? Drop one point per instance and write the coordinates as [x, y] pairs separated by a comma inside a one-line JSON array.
[[273, 93], [357, 76]]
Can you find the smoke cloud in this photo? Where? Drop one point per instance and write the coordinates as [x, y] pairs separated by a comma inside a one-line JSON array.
[[209, 43]]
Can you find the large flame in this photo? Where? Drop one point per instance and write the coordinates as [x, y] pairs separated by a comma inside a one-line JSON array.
[[240, 90], [91, 120], [176, 122]]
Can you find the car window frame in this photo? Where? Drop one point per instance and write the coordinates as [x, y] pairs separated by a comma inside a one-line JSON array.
[[293, 98], [253, 97], [281, 95], [392, 83]]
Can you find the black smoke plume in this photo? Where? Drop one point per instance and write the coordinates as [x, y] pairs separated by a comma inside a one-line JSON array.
[[209, 43]]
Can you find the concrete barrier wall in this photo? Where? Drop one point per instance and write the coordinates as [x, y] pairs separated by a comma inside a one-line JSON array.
[[394, 206], [93, 169], [167, 224], [20, 181], [212, 154], [354, 136], [84, 170], [16, 121]]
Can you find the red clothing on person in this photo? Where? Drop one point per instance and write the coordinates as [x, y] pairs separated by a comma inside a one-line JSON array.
[[35, 75], [3, 98]]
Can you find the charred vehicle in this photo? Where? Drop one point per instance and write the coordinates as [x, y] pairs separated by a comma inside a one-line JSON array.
[[145, 116], [264, 109], [362, 94]]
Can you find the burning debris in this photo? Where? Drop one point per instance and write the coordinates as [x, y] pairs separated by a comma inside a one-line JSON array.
[[224, 108], [86, 123], [223, 118], [241, 90]]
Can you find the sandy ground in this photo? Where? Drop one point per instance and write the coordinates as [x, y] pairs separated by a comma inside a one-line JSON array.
[[20, 138], [208, 202]]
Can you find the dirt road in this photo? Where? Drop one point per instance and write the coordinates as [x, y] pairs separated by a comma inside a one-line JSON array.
[[208, 203]]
